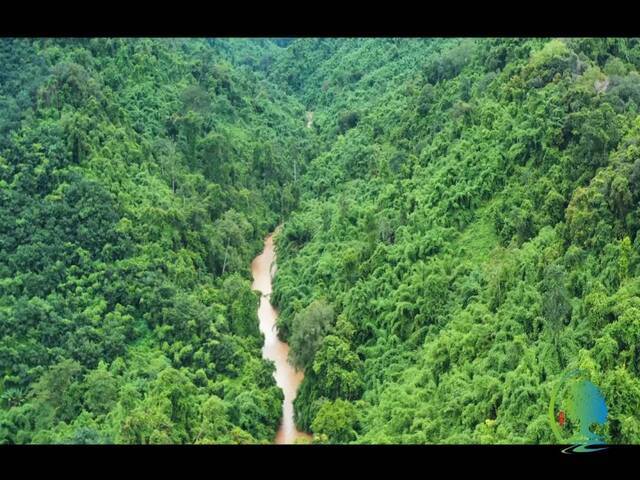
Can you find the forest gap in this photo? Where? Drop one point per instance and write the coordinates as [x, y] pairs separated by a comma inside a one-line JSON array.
[[263, 268]]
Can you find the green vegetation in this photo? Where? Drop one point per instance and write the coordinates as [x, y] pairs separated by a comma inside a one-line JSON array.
[[475, 232], [460, 229], [137, 180]]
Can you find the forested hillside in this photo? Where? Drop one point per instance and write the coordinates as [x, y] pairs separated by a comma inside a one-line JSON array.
[[137, 180], [468, 235], [460, 228]]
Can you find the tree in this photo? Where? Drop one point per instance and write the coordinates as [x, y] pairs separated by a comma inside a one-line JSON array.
[[309, 328], [214, 421], [242, 306], [86, 436], [55, 387], [426, 99], [101, 390], [555, 303], [195, 98], [336, 422], [625, 255], [147, 424], [336, 367], [174, 393], [347, 121]]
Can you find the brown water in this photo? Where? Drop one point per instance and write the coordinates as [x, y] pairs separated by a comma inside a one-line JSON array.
[[263, 268]]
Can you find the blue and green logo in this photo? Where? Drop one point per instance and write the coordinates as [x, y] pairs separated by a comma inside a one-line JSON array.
[[577, 412]]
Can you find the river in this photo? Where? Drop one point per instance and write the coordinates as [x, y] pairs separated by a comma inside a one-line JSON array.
[[263, 268]]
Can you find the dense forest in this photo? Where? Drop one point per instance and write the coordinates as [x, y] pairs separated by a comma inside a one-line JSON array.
[[126, 313], [460, 228]]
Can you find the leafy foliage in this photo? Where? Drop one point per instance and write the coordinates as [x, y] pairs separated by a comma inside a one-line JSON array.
[[460, 228], [131, 206], [474, 232]]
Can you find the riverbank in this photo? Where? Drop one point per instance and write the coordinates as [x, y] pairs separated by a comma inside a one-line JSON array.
[[263, 268]]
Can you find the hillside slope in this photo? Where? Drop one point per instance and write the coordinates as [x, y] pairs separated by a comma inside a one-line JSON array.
[[137, 180], [468, 236], [460, 230]]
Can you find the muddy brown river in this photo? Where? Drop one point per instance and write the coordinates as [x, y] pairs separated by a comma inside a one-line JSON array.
[[263, 268]]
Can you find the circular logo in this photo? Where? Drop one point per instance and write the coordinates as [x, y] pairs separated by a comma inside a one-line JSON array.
[[577, 411]]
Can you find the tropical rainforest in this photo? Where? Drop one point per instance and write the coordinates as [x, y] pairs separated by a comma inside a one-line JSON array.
[[460, 227]]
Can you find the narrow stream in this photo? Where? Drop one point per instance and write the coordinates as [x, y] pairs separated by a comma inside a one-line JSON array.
[[263, 268]]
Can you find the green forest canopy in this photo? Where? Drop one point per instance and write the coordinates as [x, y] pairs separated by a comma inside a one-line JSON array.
[[460, 229]]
